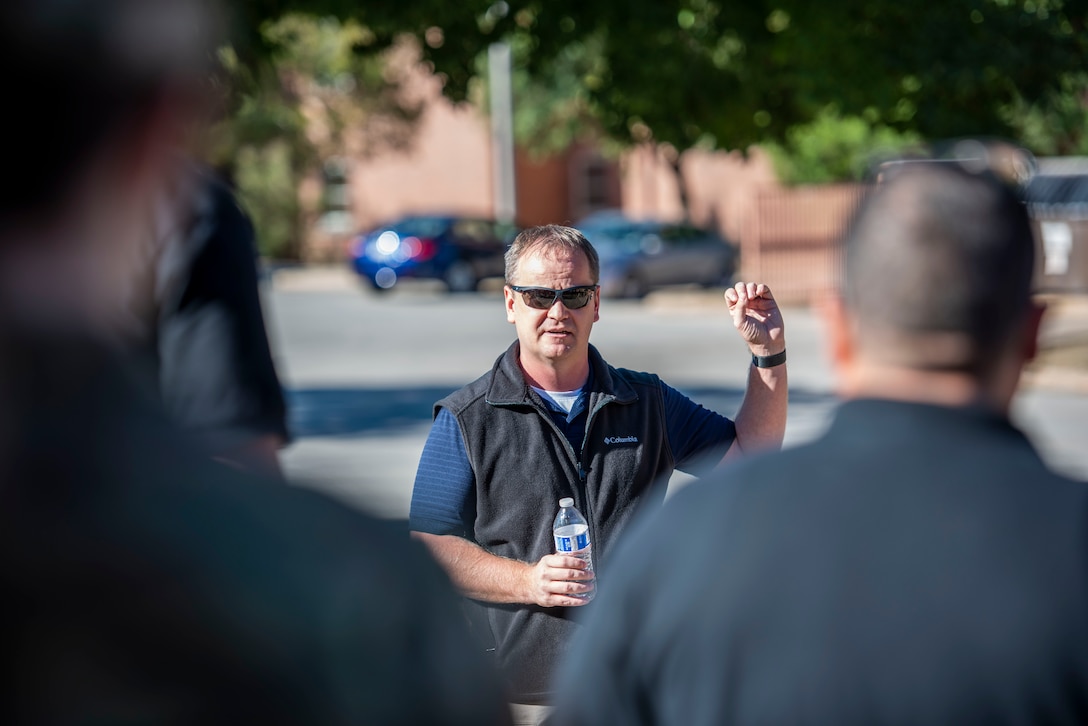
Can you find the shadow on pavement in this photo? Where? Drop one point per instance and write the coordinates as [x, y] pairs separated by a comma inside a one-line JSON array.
[[354, 411], [726, 401], [314, 412]]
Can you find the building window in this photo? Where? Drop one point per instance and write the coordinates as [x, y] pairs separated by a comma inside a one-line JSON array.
[[592, 182]]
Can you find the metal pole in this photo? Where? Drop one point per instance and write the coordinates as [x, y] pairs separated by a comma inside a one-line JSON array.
[[502, 133]]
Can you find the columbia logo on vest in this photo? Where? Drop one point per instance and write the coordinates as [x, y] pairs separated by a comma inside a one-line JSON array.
[[621, 439]]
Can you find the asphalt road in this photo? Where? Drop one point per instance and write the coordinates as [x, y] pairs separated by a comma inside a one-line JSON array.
[[362, 371]]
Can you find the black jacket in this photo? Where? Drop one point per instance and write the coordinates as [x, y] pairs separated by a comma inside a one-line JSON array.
[[918, 564]]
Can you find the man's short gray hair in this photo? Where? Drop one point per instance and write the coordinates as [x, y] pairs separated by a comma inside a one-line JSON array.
[[548, 238]]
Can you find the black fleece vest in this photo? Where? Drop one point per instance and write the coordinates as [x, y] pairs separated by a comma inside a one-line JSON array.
[[523, 466]]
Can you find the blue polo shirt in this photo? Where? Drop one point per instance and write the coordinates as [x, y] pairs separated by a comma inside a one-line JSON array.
[[443, 497]]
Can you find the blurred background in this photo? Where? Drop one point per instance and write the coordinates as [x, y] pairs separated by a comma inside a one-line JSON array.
[[389, 151], [752, 122]]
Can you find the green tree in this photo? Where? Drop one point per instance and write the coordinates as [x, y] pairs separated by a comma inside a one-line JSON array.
[[743, 73], [711, 73], [1058, 123], [304, 99]]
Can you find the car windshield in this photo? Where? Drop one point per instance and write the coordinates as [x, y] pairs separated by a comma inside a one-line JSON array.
[[625, 239], [420, 226]]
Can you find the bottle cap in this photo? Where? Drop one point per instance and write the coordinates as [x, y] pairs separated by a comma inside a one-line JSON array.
[[566, 502]]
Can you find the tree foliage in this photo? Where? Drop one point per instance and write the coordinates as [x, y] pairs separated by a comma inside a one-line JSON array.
[[745, 72], [553, 108], [306, 98], [832, 148], [708, 72], [1059, 123]]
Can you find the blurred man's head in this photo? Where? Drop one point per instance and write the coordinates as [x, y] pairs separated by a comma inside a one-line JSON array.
[[81, 74], [939, 265], [99, 93]]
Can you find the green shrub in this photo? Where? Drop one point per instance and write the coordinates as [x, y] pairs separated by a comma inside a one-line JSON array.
[[833, 149]]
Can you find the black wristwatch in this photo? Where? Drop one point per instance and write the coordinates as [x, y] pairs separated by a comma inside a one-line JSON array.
[[769, 361]]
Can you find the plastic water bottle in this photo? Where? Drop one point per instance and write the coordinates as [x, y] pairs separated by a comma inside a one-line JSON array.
[[572, 538]]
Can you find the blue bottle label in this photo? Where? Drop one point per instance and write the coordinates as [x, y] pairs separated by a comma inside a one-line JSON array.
[[571, 544]]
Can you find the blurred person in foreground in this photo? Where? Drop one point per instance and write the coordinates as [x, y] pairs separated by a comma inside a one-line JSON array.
[[197, 317], [552, 419], [145, 583], [918, 563]]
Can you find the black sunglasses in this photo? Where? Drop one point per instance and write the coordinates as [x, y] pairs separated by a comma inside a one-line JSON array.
[[542, 298]]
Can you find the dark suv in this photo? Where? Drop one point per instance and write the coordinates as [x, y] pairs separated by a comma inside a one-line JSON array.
[[460, 251]]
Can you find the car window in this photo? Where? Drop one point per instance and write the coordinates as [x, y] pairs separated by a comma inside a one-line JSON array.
[[477, 234], [476, 229], [616, 239], [681, 235], [428, 227]]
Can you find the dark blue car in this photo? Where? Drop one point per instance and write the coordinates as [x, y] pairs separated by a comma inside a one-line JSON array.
[[459, 251]]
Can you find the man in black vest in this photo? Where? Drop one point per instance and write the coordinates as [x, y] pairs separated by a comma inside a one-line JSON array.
[[916, 564], [551, 420]]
